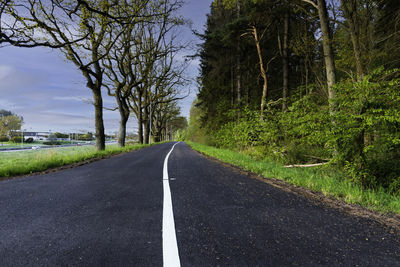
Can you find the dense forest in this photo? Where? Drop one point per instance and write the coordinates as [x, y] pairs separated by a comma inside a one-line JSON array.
[[304, 81]]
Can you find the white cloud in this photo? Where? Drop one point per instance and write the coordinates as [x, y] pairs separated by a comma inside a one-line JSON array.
[[5, 71], [71, 98]]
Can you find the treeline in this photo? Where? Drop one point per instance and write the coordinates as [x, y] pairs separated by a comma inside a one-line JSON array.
[[304, 81], [128, 49]]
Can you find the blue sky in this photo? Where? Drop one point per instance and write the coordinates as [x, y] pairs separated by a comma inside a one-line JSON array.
[[50, 93]]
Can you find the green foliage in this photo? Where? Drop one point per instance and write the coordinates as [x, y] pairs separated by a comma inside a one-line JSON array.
[[366, 131], [195, 130], [282, 136], [16, 139], [29, 140], [358, 132], [241, 133], [4, 139], [52, 143], [363, 133], [9, 123], [60, 135], [180, 135]]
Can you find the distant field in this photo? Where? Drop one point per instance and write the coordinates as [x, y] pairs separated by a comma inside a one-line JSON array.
[[31, 161]]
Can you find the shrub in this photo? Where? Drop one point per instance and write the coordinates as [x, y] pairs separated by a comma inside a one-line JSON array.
[[29, 140], [366, 133], [4, 139], [16, 139], [52, 143]]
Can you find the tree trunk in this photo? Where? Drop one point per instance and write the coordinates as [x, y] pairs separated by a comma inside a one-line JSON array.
[[99, 124], [306, 78], [139, 113], [328, 52], [351, 17], [123, 109], [238, 63], [122, 131], [122, 128], [146, 131], [263, 72], [140, 125], [285, 62], [140, 130], [238, 82], [232, 86]]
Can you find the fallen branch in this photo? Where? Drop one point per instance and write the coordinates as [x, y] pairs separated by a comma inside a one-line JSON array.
[[306, 165]]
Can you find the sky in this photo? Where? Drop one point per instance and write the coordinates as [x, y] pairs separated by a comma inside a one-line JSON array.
[[51, 94]]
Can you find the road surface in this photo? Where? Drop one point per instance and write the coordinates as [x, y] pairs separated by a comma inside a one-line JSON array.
[[110, 213]]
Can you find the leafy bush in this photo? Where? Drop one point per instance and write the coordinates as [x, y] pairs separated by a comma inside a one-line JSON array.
[[52, 143], [29, 140], [3, 139], [16, 139], [361, 134], [366, 131], [244, 132], [290, 137]]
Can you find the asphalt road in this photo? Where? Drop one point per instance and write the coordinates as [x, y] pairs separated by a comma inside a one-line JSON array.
[[109, 213]]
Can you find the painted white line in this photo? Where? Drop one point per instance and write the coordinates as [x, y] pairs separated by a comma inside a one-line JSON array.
[[170, 246]]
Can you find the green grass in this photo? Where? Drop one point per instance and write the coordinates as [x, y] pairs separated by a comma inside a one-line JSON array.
[[16, 145], [319, 179], [26, 162]]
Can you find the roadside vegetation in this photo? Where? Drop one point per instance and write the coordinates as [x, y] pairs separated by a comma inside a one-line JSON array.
[[17, 145], [27, 162], [303, 83], [323, 179]]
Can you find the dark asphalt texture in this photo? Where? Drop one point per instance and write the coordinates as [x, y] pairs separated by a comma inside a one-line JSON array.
[[109, 213]]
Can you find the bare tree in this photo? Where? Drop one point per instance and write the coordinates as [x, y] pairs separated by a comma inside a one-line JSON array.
[[158, 70], [121, 77], [82, 30], [24, 31], [129, 62], [253, 31]]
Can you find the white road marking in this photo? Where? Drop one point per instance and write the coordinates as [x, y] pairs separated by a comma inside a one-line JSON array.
[[170, 245]]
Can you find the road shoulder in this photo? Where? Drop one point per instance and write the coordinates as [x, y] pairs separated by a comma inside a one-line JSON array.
[[391, 222]]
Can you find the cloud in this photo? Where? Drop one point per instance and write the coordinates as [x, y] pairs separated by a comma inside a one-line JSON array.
[[5, 71], [71, 98], [49, 91]]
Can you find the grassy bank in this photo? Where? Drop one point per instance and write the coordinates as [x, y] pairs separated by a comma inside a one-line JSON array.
[[19, 163], [319, 179]]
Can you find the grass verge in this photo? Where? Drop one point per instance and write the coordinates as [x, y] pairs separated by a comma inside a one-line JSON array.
[[14, 145], [318, 179], [27, 162]]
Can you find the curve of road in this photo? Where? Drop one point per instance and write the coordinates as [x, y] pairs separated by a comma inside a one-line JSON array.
[[110, 213]]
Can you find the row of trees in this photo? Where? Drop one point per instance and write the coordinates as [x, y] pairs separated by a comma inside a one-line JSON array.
[[303, 81], [127, 47]]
